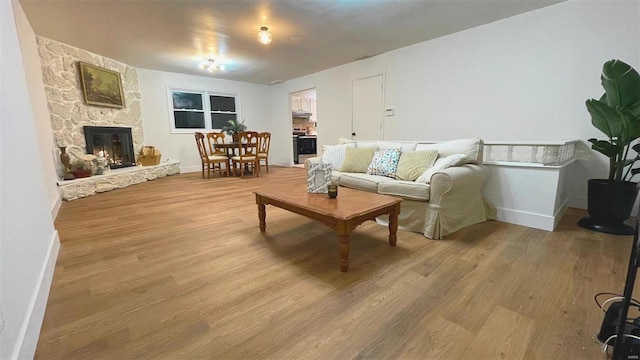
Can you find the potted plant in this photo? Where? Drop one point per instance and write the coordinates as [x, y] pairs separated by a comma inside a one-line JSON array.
[[617, 115], [233, 127]]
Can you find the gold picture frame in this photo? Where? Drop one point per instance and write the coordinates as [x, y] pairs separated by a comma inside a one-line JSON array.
[[100, 86]]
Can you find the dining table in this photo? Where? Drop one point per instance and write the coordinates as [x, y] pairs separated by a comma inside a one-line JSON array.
[[231, 148]]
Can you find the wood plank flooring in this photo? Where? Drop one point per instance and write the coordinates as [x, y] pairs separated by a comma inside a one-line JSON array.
[[177, 268]]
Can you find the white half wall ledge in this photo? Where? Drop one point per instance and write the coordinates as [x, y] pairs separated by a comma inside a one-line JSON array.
[[533, 196], [30, 331], [524, 218], [116, 179]]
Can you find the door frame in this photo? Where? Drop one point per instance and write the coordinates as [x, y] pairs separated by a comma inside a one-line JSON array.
[[382, 107], [290, 105]]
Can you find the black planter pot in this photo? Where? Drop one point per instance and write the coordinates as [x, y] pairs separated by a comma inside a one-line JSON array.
[[609, 204]]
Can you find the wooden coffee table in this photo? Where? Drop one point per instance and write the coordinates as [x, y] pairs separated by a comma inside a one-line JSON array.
[[350, 209]]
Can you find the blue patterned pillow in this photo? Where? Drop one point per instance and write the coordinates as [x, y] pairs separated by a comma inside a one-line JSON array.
[[384, 163]]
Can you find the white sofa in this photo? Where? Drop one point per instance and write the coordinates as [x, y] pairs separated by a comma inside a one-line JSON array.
[[436, 204]]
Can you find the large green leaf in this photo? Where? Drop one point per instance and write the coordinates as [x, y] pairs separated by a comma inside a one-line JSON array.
[[631, 126], [605, 119], [621, 84], [606, 148]]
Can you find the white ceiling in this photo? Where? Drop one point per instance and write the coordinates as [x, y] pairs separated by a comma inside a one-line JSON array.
[[308, 36]]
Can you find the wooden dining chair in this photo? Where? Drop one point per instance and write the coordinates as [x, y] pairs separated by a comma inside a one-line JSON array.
[[247, 153], [264, 141], [205, 158], [215, 139]]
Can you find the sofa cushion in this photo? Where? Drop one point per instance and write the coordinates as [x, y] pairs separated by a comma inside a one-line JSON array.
[[384, 162], [472, 148], [363, 181], [410, 190], [335, 177], [334, 154], [384, 145], [366, 143], [404, 147], [441, 164], [357, 160], [413, 163]]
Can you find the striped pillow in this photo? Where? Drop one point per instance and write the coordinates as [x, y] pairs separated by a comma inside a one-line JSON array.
[[413, 163], [334, 154]]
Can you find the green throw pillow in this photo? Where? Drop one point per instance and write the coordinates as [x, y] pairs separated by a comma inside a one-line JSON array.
[[357, 160], [412, 164]]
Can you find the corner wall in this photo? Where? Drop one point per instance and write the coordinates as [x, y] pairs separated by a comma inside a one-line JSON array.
[[29, 242], [44, 134]]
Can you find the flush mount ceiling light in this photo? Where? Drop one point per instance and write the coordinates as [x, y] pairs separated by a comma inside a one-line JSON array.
[[264, 36], [210, 65]]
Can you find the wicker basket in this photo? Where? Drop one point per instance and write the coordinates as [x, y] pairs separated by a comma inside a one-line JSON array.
[[149, 156], [148, 160]]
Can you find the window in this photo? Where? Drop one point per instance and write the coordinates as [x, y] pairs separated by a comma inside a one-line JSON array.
[[201, 110]]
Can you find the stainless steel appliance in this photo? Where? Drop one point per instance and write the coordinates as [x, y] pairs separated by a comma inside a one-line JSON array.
[[295, 149], [306, 145]]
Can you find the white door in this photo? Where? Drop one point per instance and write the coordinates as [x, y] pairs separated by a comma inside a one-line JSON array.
[[368, 108]]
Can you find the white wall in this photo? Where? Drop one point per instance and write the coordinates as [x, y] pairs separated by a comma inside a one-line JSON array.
[[255, 104], [522, 78], [44, 134], [28, 241]]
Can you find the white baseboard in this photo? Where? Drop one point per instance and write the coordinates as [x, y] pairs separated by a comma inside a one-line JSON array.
[[282, 163], [56, 207], [578, 202], [30, 331], [559, 214], [524, 218], [190, 169]]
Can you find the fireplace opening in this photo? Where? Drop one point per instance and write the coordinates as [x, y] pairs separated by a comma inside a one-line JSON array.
[[113, 143]]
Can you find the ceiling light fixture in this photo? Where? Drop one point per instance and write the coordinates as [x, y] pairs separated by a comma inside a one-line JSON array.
[[264, 36], [210, 65]]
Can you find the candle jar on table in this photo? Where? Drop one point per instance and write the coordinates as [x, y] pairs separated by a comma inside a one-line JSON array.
[[333, 191]]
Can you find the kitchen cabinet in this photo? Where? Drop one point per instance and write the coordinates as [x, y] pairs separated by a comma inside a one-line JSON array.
[[300, 104], [312, 109]]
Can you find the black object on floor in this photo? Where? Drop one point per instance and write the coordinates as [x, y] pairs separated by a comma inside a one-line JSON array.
[[619, 229], [626, 341]]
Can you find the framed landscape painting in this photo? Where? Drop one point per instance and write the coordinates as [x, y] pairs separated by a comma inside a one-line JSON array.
[[100, 86]]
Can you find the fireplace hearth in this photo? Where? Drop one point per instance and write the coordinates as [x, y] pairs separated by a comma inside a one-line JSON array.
[[114, 143]]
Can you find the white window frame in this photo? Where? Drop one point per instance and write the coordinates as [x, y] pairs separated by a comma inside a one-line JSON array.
[[206, 108]]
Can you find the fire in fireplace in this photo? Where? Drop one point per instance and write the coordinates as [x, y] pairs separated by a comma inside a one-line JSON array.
[[114, 143]]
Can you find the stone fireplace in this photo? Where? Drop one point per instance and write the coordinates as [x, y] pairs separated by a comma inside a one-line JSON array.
[[113, 143], [80, 127]]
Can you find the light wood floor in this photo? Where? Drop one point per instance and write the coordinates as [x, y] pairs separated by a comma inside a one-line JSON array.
[[177, 268]]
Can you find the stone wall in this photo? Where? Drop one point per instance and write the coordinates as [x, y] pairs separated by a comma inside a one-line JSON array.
[[67, 109], [83, 187]]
